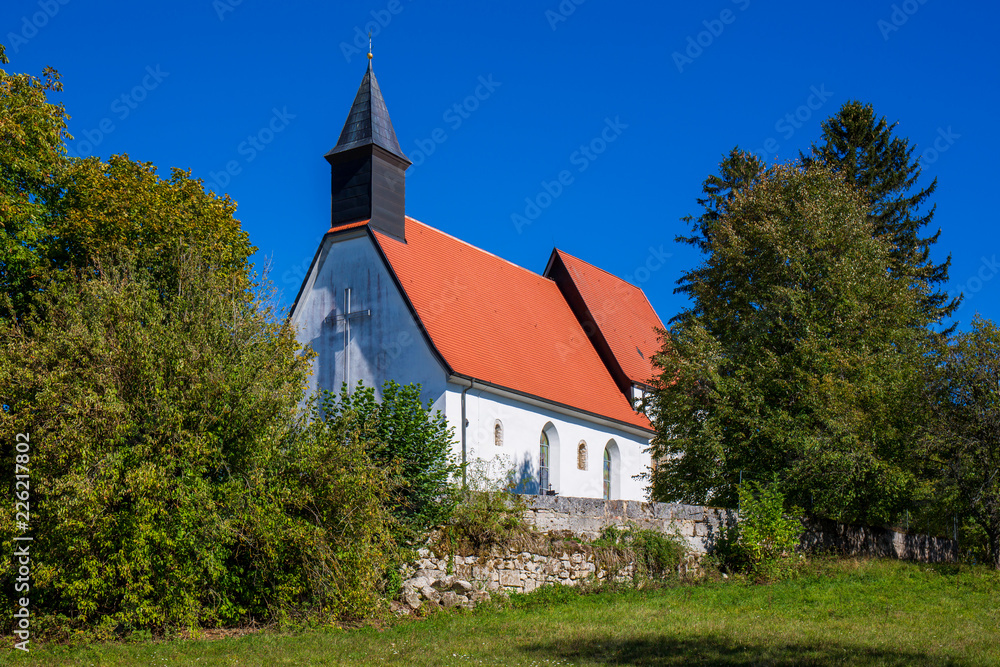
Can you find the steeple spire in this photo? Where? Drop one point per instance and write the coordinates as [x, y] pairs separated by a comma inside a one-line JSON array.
[[367, 165], [368, 120]]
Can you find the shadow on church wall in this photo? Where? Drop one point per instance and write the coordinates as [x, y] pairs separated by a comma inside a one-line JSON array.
[[525, 476]]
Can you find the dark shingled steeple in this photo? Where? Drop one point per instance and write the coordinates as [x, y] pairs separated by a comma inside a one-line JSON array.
[[368, 166], [368, 121]]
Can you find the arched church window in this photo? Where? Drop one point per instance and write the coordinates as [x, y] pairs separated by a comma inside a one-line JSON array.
[[498, 433], [581, 455], [607, 474], [543, 464]]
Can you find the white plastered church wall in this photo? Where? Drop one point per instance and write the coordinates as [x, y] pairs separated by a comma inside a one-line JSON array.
[[386, 345], [522, 426]]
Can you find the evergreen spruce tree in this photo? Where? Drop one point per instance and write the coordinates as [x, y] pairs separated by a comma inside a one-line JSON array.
[[860, 146]]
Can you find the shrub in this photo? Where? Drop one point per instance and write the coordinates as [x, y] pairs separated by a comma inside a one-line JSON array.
[[763, 541], [657, 555], [327, 542], [488, 512], [412, 440], [172, 483]]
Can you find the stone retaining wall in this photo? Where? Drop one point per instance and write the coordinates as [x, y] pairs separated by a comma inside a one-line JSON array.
[[854, 540], [462, 580], [586, 517]]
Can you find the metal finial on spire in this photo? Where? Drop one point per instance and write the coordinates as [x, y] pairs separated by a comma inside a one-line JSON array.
[[369, 45]]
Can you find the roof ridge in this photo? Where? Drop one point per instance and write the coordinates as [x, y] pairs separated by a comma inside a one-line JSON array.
[[563, 252], [475, 247]]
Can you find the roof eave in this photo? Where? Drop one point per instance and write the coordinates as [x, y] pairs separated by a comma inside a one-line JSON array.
[[562, 408]]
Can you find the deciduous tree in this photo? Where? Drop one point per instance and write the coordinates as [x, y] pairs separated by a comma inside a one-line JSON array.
[[799, 356], [962, 437], [59, 213], [32, 132]]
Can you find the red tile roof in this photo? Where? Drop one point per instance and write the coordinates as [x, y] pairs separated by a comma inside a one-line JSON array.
[[349, 225], [622, 313], [502, 324]]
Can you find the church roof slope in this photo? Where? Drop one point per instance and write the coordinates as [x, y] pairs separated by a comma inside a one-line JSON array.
[[621, 312], [502, 324]]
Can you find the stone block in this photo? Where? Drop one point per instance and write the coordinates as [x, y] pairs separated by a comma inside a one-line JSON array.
[[690, 513], [451, 599], [537, 503], [639, 512], [430, 593], [510, 578], [443, 584], [416, 583], [665, 510], [461, 586]]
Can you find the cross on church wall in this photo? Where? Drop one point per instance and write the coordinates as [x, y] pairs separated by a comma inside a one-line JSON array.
[[346, 318]]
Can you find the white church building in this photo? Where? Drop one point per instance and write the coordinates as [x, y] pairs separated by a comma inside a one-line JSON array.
[[541, 369]]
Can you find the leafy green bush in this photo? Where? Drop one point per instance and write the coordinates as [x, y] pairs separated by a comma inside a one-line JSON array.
[[488, 513], [172, 482], [656, 554], [763, 541], [410, 439]]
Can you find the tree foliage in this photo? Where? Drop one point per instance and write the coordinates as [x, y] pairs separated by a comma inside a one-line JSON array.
[[174, 478], [59, 213], [798, 358], [32, 132], [962, 438], [121, 211], [737, 170], [860, 146]]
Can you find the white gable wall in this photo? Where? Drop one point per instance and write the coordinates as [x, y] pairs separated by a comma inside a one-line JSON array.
[[523, 424], [386, 345]]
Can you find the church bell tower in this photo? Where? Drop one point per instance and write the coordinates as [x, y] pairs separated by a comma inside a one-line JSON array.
[[367, 166]]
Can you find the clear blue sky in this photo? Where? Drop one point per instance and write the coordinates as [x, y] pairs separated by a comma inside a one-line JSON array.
[[199, 78]]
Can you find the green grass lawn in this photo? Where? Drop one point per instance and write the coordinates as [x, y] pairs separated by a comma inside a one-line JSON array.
[[839, 613]]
